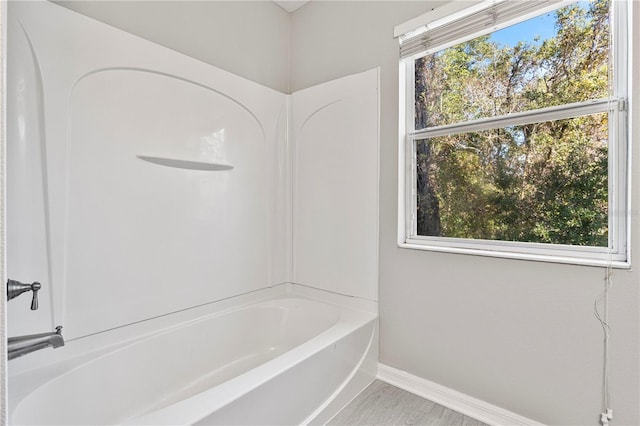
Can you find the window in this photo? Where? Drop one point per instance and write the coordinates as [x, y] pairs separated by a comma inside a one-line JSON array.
[[515, 141]]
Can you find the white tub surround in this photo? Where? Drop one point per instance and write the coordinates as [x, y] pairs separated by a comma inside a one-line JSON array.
[[140, 174], [335, 177], [167, 206], [123, 239]]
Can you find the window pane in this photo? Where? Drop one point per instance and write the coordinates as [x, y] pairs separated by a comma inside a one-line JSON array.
[[544, 182], [554, 59]]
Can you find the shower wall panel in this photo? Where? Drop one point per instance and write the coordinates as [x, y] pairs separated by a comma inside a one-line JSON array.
[[335, 194], [26, 195], [129, 239]]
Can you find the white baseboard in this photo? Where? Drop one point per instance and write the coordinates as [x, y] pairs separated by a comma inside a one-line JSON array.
[[457, 401]]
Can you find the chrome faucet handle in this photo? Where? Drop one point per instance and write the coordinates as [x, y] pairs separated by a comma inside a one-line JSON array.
[[35, 287], [16, 288]]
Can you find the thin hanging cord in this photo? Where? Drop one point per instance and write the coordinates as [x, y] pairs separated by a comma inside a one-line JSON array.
[[603, 300]]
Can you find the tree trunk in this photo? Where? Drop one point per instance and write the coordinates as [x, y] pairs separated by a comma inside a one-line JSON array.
[[428, 214]]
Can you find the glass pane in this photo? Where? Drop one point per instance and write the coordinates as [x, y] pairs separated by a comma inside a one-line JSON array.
[[544, 182], [553, 59]]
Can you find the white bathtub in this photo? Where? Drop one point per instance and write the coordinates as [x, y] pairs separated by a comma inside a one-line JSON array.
[[287, 360]]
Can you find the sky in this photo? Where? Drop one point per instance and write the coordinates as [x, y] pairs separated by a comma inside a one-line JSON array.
[[542, 25]]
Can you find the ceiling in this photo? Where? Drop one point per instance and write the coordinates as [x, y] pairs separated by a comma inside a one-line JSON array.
[[290, 5]]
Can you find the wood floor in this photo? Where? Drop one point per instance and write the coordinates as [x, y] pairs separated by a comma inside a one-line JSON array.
[[383, 404]]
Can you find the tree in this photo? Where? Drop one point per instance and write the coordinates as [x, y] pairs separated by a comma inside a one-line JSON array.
[[541, 182]]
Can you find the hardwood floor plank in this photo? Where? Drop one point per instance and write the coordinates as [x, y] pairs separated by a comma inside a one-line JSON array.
[[382, 404], [469, 421]]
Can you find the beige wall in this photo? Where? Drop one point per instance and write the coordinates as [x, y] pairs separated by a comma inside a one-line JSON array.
[[247, 38], [518, 334]]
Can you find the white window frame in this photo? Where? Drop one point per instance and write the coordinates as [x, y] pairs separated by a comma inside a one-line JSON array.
[[617, 254]]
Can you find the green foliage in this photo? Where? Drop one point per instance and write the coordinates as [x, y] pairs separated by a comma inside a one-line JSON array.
[[543, 182]]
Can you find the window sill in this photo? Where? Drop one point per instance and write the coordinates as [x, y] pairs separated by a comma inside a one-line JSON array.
[[551, 258]]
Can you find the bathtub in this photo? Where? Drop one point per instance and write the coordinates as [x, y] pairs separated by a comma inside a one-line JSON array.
[[283, 360]]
